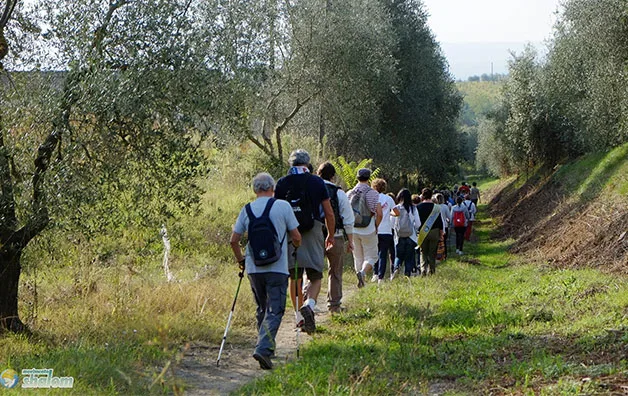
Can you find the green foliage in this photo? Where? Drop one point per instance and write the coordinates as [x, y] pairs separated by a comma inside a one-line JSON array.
[[347, 172], [574, 102]]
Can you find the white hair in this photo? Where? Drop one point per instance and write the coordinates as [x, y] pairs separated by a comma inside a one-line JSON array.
[[263, 182]]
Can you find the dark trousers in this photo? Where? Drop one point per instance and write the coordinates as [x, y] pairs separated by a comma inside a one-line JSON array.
[[405, 255], [269, 290], [428, 252], [460, 237], [385, 248]]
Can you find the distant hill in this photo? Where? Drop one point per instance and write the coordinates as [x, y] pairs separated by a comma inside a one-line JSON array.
[[469, 59]]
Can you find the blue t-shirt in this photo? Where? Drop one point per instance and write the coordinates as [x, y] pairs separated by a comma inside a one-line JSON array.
[[315, 186], [282, 217]]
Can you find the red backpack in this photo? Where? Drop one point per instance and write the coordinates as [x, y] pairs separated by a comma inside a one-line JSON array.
[[459, 219]]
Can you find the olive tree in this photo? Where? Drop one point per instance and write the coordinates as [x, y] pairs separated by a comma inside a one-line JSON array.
[[114, 127]]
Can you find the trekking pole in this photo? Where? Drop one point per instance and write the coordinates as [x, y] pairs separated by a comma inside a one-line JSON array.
[[224, 337], [296, 297]]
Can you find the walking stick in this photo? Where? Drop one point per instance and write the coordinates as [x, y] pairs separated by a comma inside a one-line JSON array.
[[296, 297], [224, 337]]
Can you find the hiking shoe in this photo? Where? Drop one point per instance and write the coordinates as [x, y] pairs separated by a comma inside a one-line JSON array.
[[309, 326], [360, 276], [299, 320], [374, 278], [264, 361]]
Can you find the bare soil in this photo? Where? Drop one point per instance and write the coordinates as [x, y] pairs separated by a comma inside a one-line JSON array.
[[237, 367], [551, 225]]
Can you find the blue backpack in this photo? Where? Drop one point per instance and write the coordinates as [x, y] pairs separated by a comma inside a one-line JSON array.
[[263, 239]]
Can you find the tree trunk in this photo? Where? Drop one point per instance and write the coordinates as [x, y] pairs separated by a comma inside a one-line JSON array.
[[10, 270]]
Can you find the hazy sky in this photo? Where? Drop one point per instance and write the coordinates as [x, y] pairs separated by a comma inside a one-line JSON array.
[[477, 35], [457, 21]]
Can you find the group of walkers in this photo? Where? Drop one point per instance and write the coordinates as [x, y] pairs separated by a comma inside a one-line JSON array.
[[297, 222]]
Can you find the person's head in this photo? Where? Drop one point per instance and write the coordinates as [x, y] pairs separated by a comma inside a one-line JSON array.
[[299, 157], [326, 171], [475, 184], [263, 184], [391, 195], [426, 194], [438, 198], [405, 198], [416, 199], [379, 185], [467, 197], [459, 200], [364, 174]]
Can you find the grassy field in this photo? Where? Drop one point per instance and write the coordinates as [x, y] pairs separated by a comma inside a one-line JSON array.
[[484, 323], [487, 323]]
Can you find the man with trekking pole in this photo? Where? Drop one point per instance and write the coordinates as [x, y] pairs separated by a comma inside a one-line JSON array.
[[270, 224]]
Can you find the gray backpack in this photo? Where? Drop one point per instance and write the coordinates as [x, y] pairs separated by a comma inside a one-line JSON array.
[[361, 210], [405, 227]]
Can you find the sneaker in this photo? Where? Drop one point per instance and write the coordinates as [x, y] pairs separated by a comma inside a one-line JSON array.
[[264, 361], [374, 278], [395, 272], [309, 326], [360, 276], [380, 282], [460, 253]]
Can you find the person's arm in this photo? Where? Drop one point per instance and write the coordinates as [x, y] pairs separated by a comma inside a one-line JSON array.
[[330, 223], [295, 237], [378, 214], [237, 250], [395, 211], [348, 217]]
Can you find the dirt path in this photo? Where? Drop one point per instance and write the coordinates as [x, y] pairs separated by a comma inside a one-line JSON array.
[[198, 366]]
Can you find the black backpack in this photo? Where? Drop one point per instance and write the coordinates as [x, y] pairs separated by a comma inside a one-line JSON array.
[[301, 204], [332, 190], [263, 239]]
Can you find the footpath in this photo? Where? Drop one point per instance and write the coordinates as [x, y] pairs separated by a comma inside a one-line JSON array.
[[237, 367]]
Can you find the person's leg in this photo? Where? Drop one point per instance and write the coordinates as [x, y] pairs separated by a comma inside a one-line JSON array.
[[296, 287], [259, 293], [334, 278], [460, 237], [307, 310], [432, 248], [406, 255], [358, 252], [386, 245], [467, 234], [382, 252], [369, 243], [393, 251], [275, 289]]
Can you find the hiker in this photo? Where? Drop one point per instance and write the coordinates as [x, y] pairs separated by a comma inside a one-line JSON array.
[[368, 215], [385, 241], [460, 218], [472, 210], [308, 196], [464, 189], [445, 212], [343, 219], [431, 232], [474, 194], [269, 281], [406, 223]]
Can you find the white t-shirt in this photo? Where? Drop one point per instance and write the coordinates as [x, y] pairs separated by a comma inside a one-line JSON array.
[[282, 217], [385, 227]]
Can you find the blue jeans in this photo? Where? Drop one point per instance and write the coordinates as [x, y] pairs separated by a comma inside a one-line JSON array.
[[385, 247], [405, 254], [269, 290]]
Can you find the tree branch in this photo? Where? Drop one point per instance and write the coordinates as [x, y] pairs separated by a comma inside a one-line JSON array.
[[7, 200], [285, 122], [259, 144]]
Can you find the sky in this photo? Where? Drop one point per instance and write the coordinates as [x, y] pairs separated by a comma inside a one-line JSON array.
[[474, 33]]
